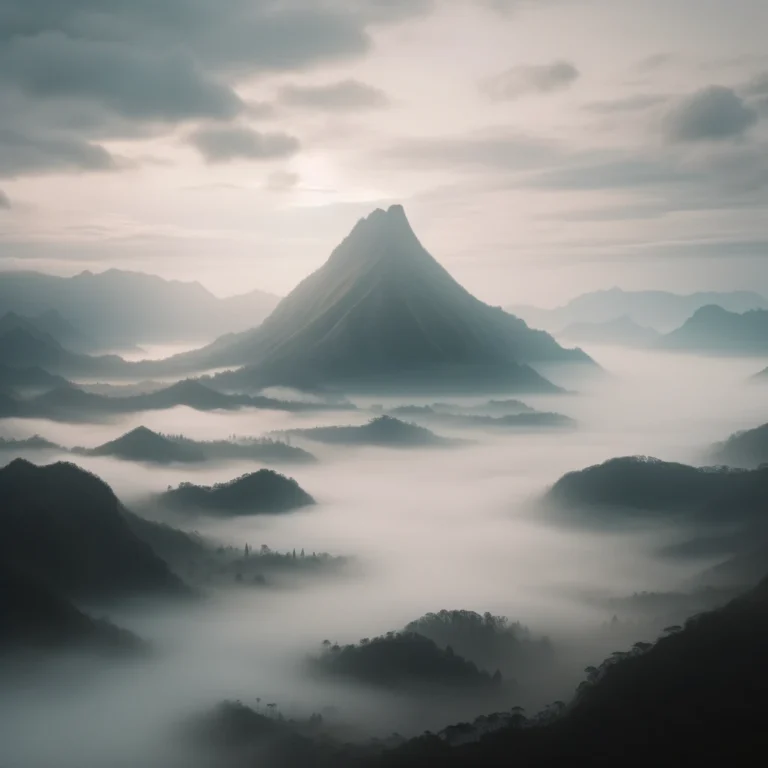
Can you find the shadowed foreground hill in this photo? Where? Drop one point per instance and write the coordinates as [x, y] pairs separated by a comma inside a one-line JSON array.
[[262, 492], [381, 431], [695, 697], [747, 449], [67, 527], [643, 485], [34, 617], [382, 314]]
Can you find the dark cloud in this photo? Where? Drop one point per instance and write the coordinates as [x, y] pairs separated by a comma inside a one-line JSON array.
[[5, 202], [130, 68], [343, 96], [638, 103], [715, 113], [134, 83], [29, 152], [521, 80], [226, 143]]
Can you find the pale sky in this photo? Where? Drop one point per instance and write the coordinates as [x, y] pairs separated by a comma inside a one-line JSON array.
[[541, 148]]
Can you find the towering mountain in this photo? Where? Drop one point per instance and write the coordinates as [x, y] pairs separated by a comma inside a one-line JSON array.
[[714, 330], [660, 310], [119, 309], [382, 313]]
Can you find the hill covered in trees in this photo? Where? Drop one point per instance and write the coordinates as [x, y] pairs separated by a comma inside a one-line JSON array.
[[747, 449], [262, 492], [67, 528], [34, 617], [637, 486], [402, 660], [384, 431]]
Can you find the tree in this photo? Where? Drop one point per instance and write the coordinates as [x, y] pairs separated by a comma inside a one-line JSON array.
[[302, 552]]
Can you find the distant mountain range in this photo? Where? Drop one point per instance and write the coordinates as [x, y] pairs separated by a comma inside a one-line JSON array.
[[117, 309], [382, 314], [660, 310], [622, 331], [49, 325], [714, 330], [71, 404]]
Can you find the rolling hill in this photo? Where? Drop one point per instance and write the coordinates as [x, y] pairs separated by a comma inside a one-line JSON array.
[[262, 492]]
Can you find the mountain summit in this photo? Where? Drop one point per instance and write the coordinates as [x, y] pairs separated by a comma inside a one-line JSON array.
[[382, 313]]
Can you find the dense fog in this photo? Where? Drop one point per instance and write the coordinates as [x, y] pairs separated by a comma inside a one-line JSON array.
[[425, 529]]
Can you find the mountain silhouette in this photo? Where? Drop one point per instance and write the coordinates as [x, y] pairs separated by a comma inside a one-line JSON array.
[[66, 526], [714, 330], [623, 331], [661, 310], [22, 380], [262, 492], [23, 347], [34, 616], [381, 431], [142, 444], [382, 313], [747, 449], [637, 486], [67, 402], [121, 309]]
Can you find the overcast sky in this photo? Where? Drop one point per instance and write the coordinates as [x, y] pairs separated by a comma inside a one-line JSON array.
[[541, 147]]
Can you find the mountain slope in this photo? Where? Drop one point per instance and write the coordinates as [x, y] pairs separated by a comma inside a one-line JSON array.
[[66, 526], [144, 445], [381, 312], [623, 331], [121, 309], [714, 330], [747, 449]]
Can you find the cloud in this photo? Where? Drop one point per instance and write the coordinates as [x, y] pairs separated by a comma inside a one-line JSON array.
[[131, 68], [346, 96], [134, 83], [29, 152], [638, 103], [282, 181], [497, 152], [521, 80], [226, 143], [5, 202], [715, 113]]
